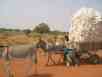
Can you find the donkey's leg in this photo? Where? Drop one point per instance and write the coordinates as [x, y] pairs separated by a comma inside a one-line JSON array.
[[60, 60], [7, 63], [47, 55], [7, 69], [29, 66], [50, 58], [35, 61]]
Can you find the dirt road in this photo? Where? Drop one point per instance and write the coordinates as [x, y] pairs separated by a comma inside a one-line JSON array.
[[19, 68]]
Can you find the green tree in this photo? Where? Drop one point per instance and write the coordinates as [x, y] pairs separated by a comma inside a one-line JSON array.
[[27, 31], [42, 28]]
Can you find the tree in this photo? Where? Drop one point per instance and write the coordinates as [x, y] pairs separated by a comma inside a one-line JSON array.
[[42, 28], [27, 31]]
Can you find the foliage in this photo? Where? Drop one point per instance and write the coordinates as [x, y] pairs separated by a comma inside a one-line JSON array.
[[34, 34], [42, 28], [27, 31], [56, 32], [9, 30]]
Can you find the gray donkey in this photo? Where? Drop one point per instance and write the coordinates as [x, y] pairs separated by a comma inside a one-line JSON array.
[[18, 52]]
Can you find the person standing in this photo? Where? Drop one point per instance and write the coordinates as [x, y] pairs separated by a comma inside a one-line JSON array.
[[66, 36], [41, 44]]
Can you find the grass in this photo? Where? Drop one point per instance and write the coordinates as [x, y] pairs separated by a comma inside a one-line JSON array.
[[24, 39]]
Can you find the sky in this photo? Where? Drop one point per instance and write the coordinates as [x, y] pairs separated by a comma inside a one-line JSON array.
[[57, 14]]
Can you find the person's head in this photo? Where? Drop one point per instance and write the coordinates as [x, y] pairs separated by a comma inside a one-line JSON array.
[[67, 33]]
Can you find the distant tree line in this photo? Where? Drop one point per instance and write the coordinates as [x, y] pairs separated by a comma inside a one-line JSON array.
[[9, 30], [41, 28]]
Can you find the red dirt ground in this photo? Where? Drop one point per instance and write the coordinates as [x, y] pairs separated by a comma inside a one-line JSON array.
[[19, 68]]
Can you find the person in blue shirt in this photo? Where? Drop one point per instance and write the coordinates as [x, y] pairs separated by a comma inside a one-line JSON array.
[[71, 57]]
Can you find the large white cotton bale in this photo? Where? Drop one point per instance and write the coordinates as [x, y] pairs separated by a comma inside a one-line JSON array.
[[86, 26]]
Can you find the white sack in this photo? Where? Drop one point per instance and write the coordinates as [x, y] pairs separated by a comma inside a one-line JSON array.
[[86, 26]]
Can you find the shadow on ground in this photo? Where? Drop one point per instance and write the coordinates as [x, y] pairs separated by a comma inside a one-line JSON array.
[[61, 64], [41, 75]]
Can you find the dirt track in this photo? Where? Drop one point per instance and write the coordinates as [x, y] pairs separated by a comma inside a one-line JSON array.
[[19, 68]]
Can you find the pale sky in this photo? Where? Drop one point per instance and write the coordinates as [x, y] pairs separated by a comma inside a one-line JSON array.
[[28, 13]]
